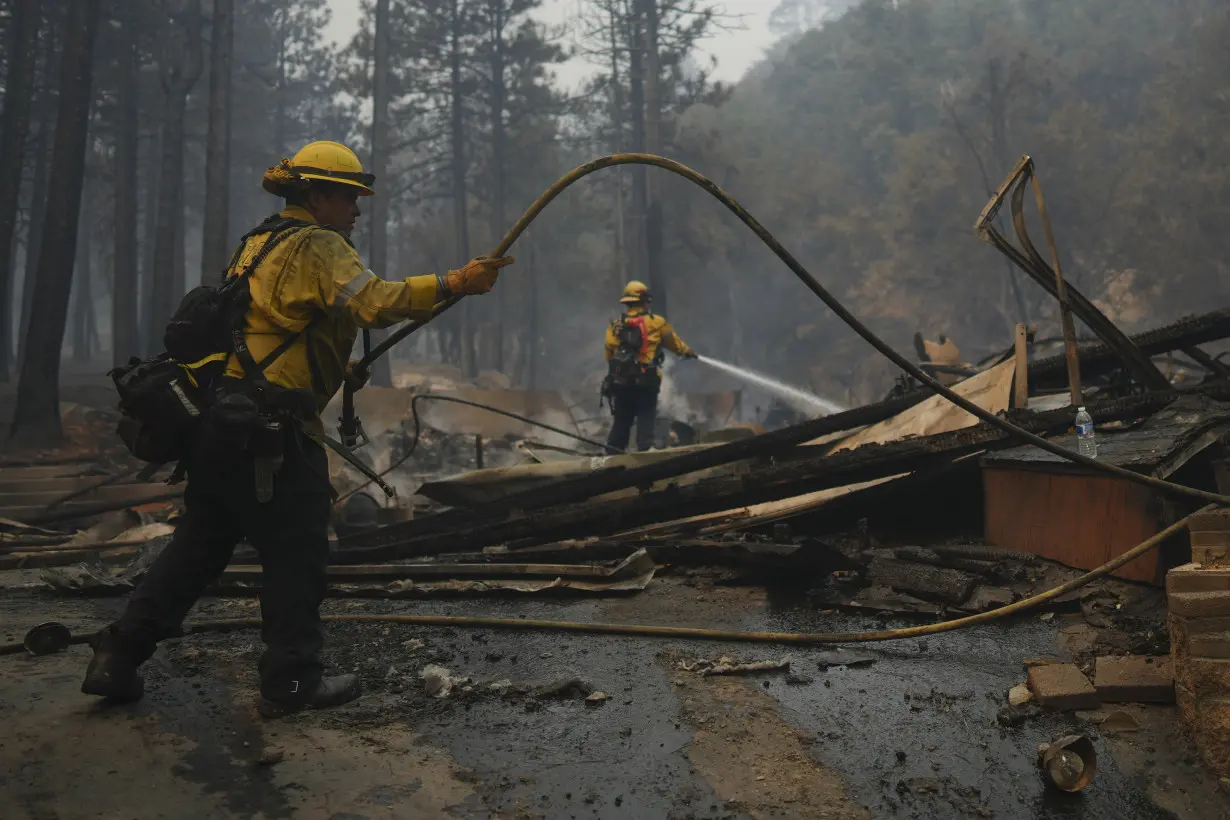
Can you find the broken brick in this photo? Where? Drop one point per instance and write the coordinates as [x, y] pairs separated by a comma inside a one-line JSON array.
[[1062, 686], [1134, 679]]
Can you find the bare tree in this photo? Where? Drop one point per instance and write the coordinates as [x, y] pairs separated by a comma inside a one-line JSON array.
[[181, 68], [214, 246], [36, 419], [125, 333], [14, 126]]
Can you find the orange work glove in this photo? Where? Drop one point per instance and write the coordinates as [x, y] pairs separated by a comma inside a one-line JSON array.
[[477, 276]]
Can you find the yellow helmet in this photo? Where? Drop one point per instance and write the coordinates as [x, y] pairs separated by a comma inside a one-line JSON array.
[[635, 292], [323, 160]]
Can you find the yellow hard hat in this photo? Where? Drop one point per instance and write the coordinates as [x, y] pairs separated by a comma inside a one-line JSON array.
[[635, 292], [323, 160]]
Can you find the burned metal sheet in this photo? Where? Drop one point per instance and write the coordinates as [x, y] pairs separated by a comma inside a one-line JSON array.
[[1144, 448]]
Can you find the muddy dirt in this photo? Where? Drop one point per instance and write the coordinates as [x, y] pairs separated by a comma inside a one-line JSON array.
[[911, 735]]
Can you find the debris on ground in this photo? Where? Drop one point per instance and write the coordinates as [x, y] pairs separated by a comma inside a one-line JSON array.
[[1118, 722], [727, 665], [570, 688], [1069, 762], [1134, 679], [597, 698], [439, 682], [1062, 686], [1020, 695], [84, 579], [842, 656]]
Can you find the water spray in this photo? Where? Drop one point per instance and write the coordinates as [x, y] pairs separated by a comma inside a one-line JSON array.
[[796, 397]]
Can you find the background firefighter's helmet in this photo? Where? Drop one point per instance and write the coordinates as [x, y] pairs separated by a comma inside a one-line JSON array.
[[324, 161], [635, 292]]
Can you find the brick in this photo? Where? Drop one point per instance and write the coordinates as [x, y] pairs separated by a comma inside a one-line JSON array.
[[1062, 686], [1213, 521], [1202, 625], [1207, 677], [1133, 679], [1192, 578], [1209, 557], [1199, 604], [1211, 538], [1209, 644], [1212, 733]]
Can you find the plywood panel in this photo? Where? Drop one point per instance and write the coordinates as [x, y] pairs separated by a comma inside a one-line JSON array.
[[990, 390], [1081, 521]]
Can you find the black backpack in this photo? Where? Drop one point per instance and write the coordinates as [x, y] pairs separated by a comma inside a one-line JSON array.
[[163, 400], [625, 366]]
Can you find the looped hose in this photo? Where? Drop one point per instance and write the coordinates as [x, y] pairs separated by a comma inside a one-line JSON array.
[[712, 188]]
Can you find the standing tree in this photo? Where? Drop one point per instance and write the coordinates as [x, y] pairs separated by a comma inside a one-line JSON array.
[[382, 375], [214, 242], [125, 330], [36, 419], [14, 126], [457, 146], [181, 67]]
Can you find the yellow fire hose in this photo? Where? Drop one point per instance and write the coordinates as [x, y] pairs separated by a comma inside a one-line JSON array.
[[678, 632]]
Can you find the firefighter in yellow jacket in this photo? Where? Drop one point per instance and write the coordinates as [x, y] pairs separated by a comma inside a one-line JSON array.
[[634, 353], [310, 295]]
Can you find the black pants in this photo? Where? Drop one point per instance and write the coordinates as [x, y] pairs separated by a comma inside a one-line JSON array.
[[633, 404], [289, 532]]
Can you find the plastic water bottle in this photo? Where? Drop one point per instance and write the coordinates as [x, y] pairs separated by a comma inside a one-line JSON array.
[[1086, 439]]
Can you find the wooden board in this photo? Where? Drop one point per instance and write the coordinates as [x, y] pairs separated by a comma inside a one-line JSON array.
[[990, 390], [1081, 521]]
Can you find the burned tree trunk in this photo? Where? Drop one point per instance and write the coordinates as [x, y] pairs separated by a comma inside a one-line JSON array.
[[14, 126], [181, 67], [82, 299], [640, 194], [653, 144], [214, 250], [382, 375], [46, 119], [498, 19], [36, 420], [125, 333], [461, 221]]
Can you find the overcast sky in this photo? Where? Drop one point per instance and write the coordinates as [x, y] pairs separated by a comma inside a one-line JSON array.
[[737, 47]]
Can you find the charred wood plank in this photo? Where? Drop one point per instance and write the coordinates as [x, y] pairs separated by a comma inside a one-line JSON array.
[[1099, 359], [931, 583], [603, 517], [612, 479]]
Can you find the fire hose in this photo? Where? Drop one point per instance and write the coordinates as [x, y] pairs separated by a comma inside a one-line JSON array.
[[60, 637], [47, 638]]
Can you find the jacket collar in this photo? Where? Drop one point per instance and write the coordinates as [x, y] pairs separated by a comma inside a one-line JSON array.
[[298, 212]]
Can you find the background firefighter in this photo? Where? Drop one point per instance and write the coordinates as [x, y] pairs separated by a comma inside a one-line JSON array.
[[310, 295], [634, 353]]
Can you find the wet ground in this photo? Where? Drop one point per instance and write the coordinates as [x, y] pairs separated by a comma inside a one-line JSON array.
[[912, 735]]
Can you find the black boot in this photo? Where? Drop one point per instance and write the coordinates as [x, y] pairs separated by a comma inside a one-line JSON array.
[[331, 691], [112, 672]]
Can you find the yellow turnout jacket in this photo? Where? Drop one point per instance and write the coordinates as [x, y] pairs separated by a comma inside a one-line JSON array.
[[315, 273], [657, 333]]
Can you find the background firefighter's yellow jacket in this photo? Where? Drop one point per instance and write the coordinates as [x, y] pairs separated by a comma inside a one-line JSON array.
[[658, 333], [316, 273]]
